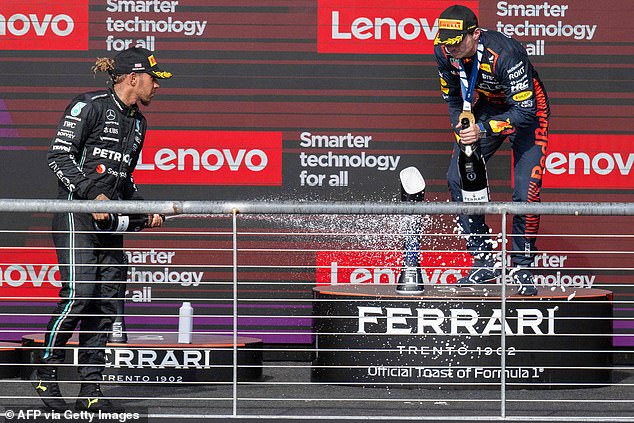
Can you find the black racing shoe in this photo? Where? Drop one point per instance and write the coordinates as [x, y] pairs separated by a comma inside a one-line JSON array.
[[91, 399], [44, 380], [524, 278], [482, 271]]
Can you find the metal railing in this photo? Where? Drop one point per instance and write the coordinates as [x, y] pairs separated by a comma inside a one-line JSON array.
[[304, 237], [294, 207]]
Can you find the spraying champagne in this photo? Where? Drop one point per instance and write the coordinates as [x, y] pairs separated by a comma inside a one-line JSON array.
[[410, 280]]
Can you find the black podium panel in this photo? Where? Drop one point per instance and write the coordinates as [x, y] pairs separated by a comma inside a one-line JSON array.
[[9, 357], [159, 358], [451, 336]]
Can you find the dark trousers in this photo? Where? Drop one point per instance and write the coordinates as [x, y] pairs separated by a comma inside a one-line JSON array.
[[92, 270], [529, 151]]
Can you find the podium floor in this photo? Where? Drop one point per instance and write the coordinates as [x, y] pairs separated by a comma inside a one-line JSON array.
[[286, 391]]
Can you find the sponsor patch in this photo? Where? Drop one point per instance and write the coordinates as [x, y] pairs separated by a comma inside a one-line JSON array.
[[76, 110], [485, 67], [524, 95], [455, 24], [498, 126], [163, 74]]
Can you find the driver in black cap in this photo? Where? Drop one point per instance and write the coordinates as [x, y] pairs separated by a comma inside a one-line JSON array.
[[93, 154], [488, 78]]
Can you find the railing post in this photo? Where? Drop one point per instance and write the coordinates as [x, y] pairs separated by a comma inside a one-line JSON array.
[[234, 214], [503, 323]]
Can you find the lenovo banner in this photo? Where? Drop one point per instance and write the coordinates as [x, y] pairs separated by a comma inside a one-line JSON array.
[[379, 27], [211, 158], [29, 273], [379, 267], [589, 161], [44, 25]]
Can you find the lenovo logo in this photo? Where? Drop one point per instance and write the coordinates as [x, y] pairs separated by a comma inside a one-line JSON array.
[[44, 25], [379, 27], [378, 267], [589, 161], [211, 158], [382, 28], [30, 274], [19, 24]]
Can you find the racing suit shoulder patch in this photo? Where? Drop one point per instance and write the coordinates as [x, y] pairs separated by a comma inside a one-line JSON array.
[[76, 110]]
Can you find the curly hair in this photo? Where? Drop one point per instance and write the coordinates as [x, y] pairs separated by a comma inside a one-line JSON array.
[[106, 64]]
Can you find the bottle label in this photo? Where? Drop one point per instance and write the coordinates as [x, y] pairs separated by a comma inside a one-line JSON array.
[[123, 223], [480, 196]]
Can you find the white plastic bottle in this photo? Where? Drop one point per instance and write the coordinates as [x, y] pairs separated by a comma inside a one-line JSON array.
[[185, 323]]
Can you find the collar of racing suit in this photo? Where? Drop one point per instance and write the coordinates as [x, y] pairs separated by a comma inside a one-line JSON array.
[[123, 108]]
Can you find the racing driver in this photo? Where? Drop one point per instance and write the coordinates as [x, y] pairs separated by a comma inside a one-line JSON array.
[[487, 77], [93, 155]]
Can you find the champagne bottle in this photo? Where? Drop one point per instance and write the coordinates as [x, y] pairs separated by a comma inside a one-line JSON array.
[[118, 333], [473, 172], [122, 223]]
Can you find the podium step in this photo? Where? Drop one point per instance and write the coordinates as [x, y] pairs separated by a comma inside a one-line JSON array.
[[159, 358], [450, 336], [9, 357]]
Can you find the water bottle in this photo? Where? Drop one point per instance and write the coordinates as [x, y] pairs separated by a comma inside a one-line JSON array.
[[185, 323], [122, 223], [473, 172]]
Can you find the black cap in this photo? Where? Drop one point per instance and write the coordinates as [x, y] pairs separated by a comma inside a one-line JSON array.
[[454, 23], [139, 60]]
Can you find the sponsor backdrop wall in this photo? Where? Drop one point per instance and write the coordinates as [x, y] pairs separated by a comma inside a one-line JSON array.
[[303, 100]]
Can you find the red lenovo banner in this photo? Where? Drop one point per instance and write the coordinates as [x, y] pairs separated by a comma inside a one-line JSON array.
[[44, 25], [211, 158], [380, 27], [362, 267], [28, 273], [589, 161]]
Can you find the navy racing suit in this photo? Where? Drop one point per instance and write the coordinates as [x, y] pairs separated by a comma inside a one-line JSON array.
[[95, 150], [510, 103]]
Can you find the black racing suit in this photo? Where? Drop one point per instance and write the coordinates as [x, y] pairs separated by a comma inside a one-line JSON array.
[[94, 152], [510, 102]]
